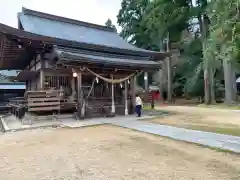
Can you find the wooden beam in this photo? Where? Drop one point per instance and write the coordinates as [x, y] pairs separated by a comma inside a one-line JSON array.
[[113, 101], [133, 85], [73, 88], [42, 79], [169, 79], [146, 81], [126, 96], [109, 68], [35, 63]]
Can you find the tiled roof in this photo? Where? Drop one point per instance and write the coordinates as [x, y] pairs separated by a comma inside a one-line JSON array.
[[44, 31], [72, 30]]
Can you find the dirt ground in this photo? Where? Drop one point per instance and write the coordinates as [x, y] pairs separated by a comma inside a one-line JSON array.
[[209, 119], [108, 152]]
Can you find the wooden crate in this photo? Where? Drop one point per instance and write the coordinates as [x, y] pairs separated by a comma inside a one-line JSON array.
[[48, 100]]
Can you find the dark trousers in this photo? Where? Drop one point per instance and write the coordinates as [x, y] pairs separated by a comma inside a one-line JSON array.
[[139, 110]]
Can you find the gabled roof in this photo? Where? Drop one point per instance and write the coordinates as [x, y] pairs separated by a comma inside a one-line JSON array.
[[68, 29], [29, 12], [40, 31]]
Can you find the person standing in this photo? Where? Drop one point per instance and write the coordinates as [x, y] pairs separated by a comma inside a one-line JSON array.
[[138, 105]]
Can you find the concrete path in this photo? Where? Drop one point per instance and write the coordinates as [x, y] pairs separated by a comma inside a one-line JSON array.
[[11, 123], [225, 142], [214, 140]]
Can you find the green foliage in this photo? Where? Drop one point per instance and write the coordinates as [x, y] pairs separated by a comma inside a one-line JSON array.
[[224, 37], [130, 19], [190, 68], [109, 23], [146, 23], [213, 26], [166, 16]]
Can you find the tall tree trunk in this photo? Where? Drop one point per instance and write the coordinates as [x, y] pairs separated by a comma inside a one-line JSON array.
[[209, 87], [206, 85], [207, 92], [169, 71], [230, 82], [212, 86], [209, 83], [234, 84]]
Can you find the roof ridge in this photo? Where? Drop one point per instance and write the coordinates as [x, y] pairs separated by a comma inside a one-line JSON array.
[[66, 20]]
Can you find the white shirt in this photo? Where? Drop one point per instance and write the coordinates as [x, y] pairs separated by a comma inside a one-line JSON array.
[[138, 101]]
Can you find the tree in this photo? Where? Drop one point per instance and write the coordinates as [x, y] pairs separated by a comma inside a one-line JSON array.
[[109, 23], [214, 38], [175, 18], [166, 18], [223, 41], [130, 18], [190, 68]]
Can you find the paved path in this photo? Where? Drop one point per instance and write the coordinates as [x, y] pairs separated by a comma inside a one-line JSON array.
[[11, 123], [225, 142]]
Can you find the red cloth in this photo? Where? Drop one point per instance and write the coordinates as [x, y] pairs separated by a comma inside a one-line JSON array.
[[156, 95]]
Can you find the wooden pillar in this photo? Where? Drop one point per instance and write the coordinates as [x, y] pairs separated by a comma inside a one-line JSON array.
[[146, 81], [161, 77], [169, 70], [126, 97], [30, 85], [80, 102], [133, 85], [169, 79], [42, 79], [73, 88], [113, 101], [107, 88]]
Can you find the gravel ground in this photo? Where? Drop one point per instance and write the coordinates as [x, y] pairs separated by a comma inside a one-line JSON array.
[[108, 152]]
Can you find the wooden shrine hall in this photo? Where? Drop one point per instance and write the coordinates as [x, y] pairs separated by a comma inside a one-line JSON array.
[[69, 64]]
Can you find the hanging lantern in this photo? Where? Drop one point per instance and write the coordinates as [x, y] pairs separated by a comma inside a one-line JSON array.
[[74, 74], [121, 85], [145, 76], [97, 80], [128, 81]]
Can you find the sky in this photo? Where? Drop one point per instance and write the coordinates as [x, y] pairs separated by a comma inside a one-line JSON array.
[[93, 11]]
